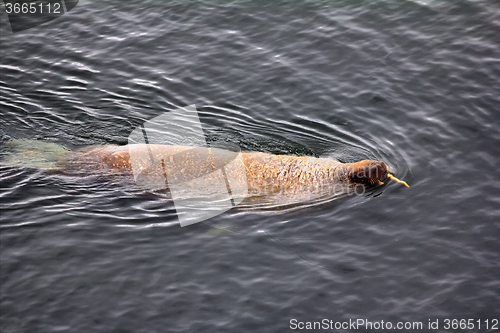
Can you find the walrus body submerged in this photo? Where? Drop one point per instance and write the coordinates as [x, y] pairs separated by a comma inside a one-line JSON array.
[[265, 173], [155, 166]]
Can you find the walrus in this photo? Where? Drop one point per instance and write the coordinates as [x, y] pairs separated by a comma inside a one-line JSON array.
[[265, 173]]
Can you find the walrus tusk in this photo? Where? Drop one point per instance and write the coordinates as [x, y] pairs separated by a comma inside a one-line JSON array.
[[397, 180]]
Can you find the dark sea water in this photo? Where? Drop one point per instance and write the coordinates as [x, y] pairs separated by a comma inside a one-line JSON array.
[[413, 83]]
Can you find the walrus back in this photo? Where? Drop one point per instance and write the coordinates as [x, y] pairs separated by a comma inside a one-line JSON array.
[[94, 160], [292, 175]]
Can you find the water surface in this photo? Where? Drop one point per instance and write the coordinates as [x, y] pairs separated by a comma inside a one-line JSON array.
[[412, 83]]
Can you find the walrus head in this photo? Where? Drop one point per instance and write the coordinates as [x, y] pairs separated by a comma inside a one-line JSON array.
[[368, 172]]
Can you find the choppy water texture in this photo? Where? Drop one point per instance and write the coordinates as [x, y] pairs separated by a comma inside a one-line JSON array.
[[415, 84]]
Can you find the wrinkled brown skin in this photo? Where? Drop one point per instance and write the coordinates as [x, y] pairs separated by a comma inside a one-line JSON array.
[[275, 172]]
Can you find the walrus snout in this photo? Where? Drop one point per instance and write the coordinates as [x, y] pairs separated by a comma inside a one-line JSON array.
[[368, 172]]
